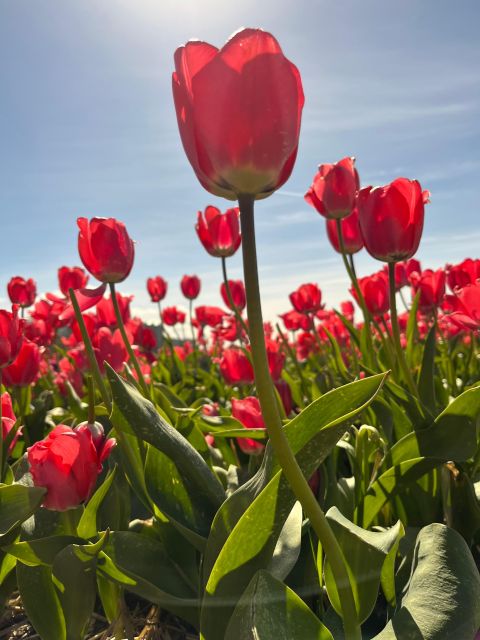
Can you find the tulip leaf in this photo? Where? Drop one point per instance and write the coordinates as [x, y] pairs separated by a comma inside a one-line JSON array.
[[426, 377], [365, 553], [144, 420], [17, 503], [41, 601], [269, 610], [143, 566], [247, 527], [288, 545], [442, 596], [42, 551], [87, 527]]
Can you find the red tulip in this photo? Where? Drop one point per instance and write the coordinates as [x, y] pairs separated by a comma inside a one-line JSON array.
[[190, 286], [347, 309], [352, 237], [24, 369], [209, 316], [11, 336], [375, 290], [276, 358], [172, 316], [249, 413], [293, 320], [391, 219], [466, 306], [334, 189], [71, 278], [239, 112], [67, 463], [403, 271], [106, 249], [21, 291], [237, 290], [109, 347], [307, 298], [8, 419], [459, 275], [106, 312], [431, 285], [157, 288], [235, 367], [219, 232]]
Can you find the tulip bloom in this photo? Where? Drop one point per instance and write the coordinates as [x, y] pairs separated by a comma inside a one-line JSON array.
[[8, 419], [237, 290], [190, 286], [238, 111], [67, 463], [466, 307], [172, 316], [307, 298], [431, 285], [109, 347], [403, 271], [24, 369], [71, 278], [294, 320], [391, 219], [248, 412], [375, 290], [334, 189], [11, 336], [106, 312], [21, 291], [459, 275], [276, 358], [106, 249], [209, 316], [352, 237], [219, 232], [157, 288], [235, 367]]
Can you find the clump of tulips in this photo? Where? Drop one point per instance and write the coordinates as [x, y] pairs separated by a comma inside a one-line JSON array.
[[319, 478]]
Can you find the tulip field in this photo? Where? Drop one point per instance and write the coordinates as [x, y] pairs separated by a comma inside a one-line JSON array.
[[215, 476]]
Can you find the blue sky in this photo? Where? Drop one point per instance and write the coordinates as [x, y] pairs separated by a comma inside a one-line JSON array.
[[88, 127]]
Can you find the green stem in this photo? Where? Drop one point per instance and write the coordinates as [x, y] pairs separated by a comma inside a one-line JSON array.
[[68, 519], [91, 400], [271, 415], [94, 368], [126, 341], [233, 306], [194, 344], [396, 333]]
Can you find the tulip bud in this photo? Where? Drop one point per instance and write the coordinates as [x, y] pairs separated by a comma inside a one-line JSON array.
[[71, 278], [219, 232], [190, 286], [157, 288], [21, 291], [334, 189]]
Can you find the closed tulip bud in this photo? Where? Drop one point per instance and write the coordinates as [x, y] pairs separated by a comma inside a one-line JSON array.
[[431, 285], [157, 288], [352, 237], [190, 286], [375, 290], [67, 463], [238, 111], [237, 290], [106, 249], [22, 292], [11, 336], [24, 369], [391, 219], [249, 413], [334, 189], [307, 298], [219, 232], [71, 278]]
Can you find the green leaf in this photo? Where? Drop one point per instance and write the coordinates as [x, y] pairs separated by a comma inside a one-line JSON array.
[[148, 425], [248, 525], [443, 594], [412, 330], [142, 565], [41, 551], [87, 527], [426, 376], [41, 601], [287, 549], [269, 610], [17, 503], [365, 553]]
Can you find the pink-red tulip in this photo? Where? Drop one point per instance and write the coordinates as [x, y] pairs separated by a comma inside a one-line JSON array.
[[209, 316], [334, 189], [190, 286], [235, 367], [25, 368], [238, 111], [237, 291], [22, 292], [459, 275], [67, 463], [431, 285], [157, 288], [466, 306], [307, 298], [106, 312], [219, 232], [11, 336], [375, 290], [172, 316], [106, 249], [249, 413], [8, 419], [352, 237], [71, 278], [391, 219]]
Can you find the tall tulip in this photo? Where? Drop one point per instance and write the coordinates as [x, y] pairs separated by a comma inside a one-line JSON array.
[[22, 292], [190, 286], [352, 237], [219, 232], [334, 189], [157, 288]]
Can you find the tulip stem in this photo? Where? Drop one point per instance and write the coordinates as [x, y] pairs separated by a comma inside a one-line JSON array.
[[194, 345], [396, 333], [273, 421], [126, 341], [233, 306], [94, 368], [360, 299]]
